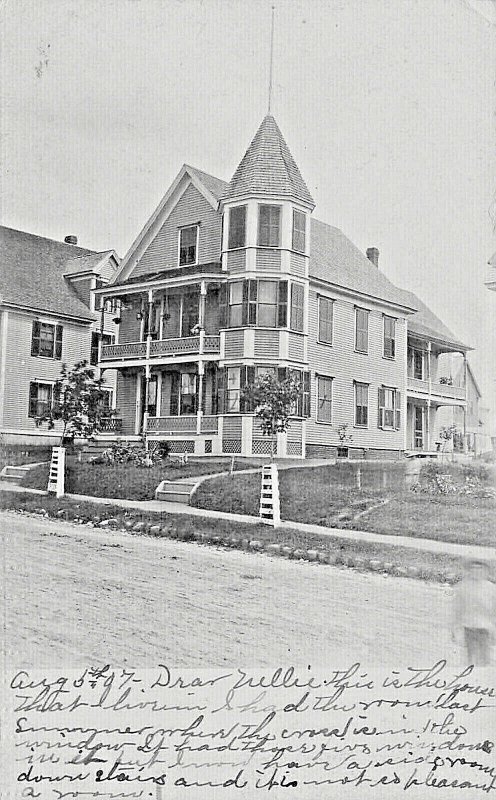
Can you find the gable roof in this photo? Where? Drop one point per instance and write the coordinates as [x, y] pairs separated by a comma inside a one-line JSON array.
[[426, 324], [32, 270], [86, 263], [268, 168], [215, 186], [335, 259]]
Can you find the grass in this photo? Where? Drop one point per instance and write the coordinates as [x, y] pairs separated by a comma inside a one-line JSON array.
[[122, 480], [430, 566], [318, 496], [13, 455]]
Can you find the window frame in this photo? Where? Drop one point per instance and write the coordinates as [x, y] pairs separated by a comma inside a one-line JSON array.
[[391, 339], [297, 311], [180, 232], [299, 232], [57, 340], [365, 311], [330, 302], [394, 409], [49, 402], [275, 207], [230, 245], [251, 302], [366, 386], [330, 380]]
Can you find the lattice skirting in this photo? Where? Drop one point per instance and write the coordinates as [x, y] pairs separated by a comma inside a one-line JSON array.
[[260, 447], [231, 445], [181, 446], [208, 445], [293, 448]]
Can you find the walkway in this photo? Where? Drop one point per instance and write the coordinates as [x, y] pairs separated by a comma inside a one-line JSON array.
[[159, 506]]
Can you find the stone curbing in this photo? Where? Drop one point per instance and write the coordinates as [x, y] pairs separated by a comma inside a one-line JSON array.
[[275, 549]]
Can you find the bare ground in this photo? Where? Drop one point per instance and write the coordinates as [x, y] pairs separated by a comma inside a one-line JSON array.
[[75, 596]]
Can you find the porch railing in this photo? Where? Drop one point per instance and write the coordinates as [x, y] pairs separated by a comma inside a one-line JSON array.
[[183, 345], [110, 425], [440, 389], [208, 424]]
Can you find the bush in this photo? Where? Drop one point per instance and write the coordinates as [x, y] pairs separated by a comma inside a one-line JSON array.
[[461, 479], [139, 455]]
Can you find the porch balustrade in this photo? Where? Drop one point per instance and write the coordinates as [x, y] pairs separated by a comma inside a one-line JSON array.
[[435, 388], [184, 345], [208, 424]]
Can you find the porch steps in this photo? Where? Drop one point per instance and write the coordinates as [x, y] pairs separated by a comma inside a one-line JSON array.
[[176, 491]]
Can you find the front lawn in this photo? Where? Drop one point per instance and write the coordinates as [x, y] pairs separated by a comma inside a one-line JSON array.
[[120, 480], [319, 496], [15, 454]]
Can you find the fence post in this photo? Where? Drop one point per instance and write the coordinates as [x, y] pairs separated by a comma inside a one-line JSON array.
[[270, 510], [57, 472]]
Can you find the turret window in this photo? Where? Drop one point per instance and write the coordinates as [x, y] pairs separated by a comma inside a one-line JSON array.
[[269, 226], [299, 225], [258, 302], [188, 245], [237, 227]]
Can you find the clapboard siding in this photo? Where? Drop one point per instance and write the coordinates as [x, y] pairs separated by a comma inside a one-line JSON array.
[[21, 367], [266, 344], [294, 431], [234, 344], [232, 427], [126, 398], [344, 365], [236, 261], [189, 210], [130, 327], [296, 347], [297, 264], [268, 260]]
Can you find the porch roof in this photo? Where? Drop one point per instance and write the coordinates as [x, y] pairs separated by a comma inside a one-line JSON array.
[[159, 276], [426, 325]]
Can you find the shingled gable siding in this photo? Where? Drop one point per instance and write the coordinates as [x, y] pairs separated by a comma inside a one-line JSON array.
[[190, 209], [340, 362], [126, 402], [22, 367]]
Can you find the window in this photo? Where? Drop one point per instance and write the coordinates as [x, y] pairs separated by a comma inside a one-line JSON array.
[[257, 302], [237, 227], [296, 318], [233, 388], [46, 340], [302, 408], [389, 337], [95, 338], [190, 314], [389, 408], [269, 226], [361, 330], [361, 404], [326, 306], [40, 399], [416, 364], [188, 393], [188, 238], [299, 223], [324, 399], [106, 400]]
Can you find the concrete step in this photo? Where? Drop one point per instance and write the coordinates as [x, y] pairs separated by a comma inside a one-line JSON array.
[[173, 496], [13, 474]]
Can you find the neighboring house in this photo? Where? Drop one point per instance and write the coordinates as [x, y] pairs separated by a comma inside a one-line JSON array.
[[473, 419], [227, 281], [47, 317]]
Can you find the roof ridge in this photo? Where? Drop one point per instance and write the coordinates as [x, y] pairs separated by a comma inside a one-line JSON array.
[[55, 241]]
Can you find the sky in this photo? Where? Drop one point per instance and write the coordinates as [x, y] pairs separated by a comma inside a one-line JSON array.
[[387, 106]]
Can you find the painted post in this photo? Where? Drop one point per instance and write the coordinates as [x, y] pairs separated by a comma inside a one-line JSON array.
[[270, 510], [57, 472]]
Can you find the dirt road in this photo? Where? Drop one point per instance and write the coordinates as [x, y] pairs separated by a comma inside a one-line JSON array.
[[74, 595]]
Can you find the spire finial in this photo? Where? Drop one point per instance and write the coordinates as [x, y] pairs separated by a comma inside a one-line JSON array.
[[271, 59]]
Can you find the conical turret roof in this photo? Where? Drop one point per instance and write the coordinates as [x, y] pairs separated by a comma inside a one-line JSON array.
[[268, 168]]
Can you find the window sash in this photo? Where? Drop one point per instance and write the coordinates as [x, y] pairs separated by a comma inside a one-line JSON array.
[[389, 337], [361, 404], [389, 407], [237, 227], [187, 245], [324, 399], [361, 330], [299, 231], [269, 226], [40, 398], [258, 302], [325, 312]]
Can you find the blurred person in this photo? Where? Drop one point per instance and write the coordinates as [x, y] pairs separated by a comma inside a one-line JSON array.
[[474, 612]]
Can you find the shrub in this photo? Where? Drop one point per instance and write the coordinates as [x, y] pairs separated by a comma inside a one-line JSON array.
[[139, 455]]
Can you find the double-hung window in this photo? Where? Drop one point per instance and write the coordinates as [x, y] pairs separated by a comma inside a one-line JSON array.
[[297, 300], [269, 226], [257, 302], [389, 408], [233, 389], [389, 337], [46, 340], [324, 399], [40, 399], [267, 304], [325, 319], [299, 224], [237, 227], [188, 245], [361, 404], [361, 330]]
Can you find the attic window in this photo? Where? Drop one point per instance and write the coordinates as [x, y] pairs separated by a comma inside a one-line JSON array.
[[188, 245]]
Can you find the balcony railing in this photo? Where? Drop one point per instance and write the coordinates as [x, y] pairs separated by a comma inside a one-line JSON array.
[[172, 425], [434, 388], [159, 348], [110, 425]]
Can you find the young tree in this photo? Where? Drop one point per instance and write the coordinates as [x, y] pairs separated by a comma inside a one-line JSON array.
[[273, 402], [447, 434], [78, 402]]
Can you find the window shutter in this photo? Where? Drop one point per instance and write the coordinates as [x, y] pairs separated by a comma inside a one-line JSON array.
[[282, 305], [223, 322], [35, 339], [58, 342], [33, 400], [381, 401], [174, 396], [397, 410], [244, 314]]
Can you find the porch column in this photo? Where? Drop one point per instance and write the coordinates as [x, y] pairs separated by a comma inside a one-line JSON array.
[[199, 391], [428, 426], [147, 364], [465, 443], [201, 313], [429, 371]]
